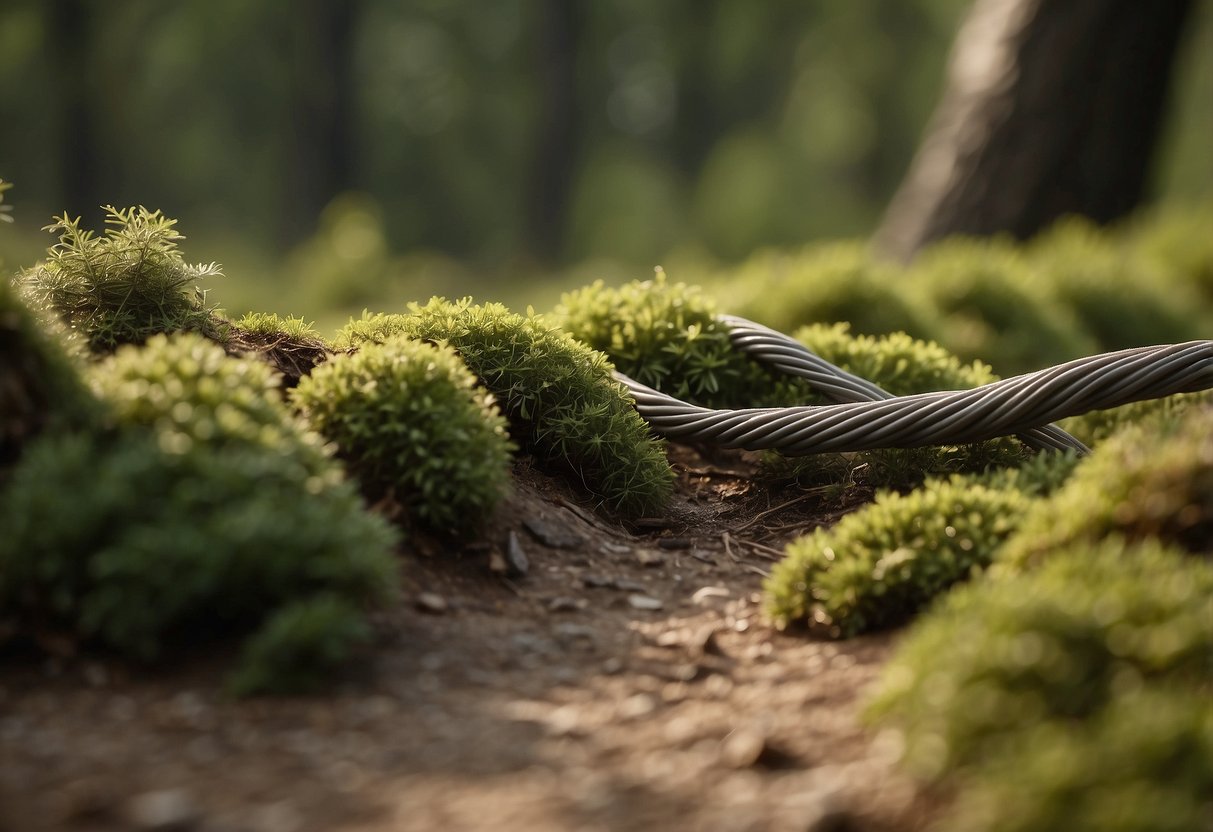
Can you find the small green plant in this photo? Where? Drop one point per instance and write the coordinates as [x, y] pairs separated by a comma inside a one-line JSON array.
[[123, 286], [299, 645], [159, 547], [1150, 480], [1059, 643], [558, 394], [411, 419], [1143, 765], [666, 335], [190, 392], [269, 323], [996, 307], [1097, 425], [839, 282], [880, 565]]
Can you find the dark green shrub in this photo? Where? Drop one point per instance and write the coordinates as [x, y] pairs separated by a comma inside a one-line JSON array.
[[840, 282], [1149, 480], [995, 308], [411, 420], [39, 385], [558, 394], [299, 645], [121, 287], [1143, 765], [668, 337], [998, 656], [878, 566], [117, 541], [190, 392], [1121, 299]]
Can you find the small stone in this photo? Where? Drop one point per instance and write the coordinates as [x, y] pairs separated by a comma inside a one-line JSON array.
[[168, 810], [515, 556], [565, 604], [742, 748], [705, 593], [625, 585], [596, 581], [432, 603], [644, 602], [609, 548], [649, 557], [612, 666], [552, 534], [497, 562]]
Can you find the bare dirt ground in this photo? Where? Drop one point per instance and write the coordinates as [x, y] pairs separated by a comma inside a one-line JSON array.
[[626, 681]]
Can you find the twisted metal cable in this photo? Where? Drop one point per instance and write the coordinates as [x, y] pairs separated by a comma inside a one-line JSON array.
[[874, 419], [789, 356]]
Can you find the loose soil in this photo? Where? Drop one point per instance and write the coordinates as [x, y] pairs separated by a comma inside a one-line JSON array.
[[626, 681]]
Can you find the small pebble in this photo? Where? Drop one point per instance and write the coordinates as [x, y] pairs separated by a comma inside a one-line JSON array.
[[644, 602], [565, 604], [551, 534], [517, 563], [168, 810], [432, 602], [649, 557]]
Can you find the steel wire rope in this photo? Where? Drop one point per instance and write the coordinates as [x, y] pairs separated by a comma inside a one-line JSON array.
[[868, 417]]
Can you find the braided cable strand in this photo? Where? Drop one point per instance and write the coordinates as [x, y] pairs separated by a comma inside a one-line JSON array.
[[873, 419], [789, 356]]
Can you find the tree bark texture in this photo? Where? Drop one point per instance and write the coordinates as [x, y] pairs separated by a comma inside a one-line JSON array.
[[1051, 107]]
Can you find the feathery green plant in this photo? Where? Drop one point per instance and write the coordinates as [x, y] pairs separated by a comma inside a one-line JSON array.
[[269, 323], [123, 286], [558, 394], [411, 420]]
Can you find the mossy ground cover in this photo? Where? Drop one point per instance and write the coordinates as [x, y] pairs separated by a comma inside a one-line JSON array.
[[219, 510]]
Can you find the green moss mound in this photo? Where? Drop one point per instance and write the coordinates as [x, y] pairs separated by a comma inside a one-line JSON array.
[[411, 420], [123, 286], [996, 307], [562, 403], [878, 566], [190, 392], [897, 362], [162, 548], [1122, 299], [1058, 643], [40, 386], [1149, 480], [827, 284], [666, 335], [1143, 765]]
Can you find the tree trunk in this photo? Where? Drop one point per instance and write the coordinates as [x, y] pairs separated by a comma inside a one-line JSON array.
[[557, 144], [320, 161], [70, 43], [1052, 107]]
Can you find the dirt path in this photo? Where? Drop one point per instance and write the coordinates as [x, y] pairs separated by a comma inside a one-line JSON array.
[[625, 682]]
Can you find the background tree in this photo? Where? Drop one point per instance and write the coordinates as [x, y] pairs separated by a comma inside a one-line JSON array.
[[1050, 108]]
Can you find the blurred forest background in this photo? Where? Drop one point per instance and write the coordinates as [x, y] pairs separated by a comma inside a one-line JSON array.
[[335, 155]]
